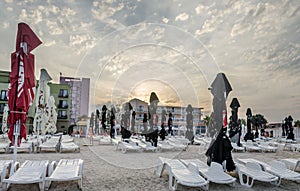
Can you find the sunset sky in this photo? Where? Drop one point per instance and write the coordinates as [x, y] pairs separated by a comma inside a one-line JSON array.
[[129, 48]]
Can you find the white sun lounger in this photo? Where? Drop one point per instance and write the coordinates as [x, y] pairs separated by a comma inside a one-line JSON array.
[[65, 170], [146, 146], [28, 173], [51, 144], [253, 171], [4, 146], [237, 148], [105, 140], [69, 146], [295, 147], [129, 146], [5, 166], [164, 145], [180, 174], [66, 139], [24, 147], [213, 173], [177, 144], [249, 146], [278, 168], [292, 163], [266, 147]]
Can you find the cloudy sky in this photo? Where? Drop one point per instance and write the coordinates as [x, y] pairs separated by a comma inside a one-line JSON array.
[[129, 48]]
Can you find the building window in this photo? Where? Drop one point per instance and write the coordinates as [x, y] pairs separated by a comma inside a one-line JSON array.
[[62, 114], [2, 105], [63, 93], [63, 104], [3, 95], [141, 108]]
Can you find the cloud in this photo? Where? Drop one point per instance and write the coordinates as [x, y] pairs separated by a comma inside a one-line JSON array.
[[182, 17], [5, 25], [49, 43]]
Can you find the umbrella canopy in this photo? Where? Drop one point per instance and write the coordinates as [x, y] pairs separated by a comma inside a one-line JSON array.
[[22, 80], [42, 103], [52, 116], [220, 88], [4, 119], [249, 135], [220, 147]]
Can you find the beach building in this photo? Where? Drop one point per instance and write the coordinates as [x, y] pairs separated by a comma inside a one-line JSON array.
[[4, 80], [178, 115], [61, 93], [71, 99], [79, 97]]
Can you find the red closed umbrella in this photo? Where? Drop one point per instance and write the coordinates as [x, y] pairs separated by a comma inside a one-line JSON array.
[[22, 82]]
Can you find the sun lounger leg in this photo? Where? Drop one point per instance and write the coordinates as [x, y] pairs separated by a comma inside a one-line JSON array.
[[172, 182], [205, 187], [4, 186], [159, 170], [277, 182], [249, 180], [42, 186], [123, 149]]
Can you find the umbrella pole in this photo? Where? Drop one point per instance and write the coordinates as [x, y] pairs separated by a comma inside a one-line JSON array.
[[38, 134], [16, 134]]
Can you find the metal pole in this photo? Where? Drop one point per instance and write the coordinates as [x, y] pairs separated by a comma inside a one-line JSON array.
[[16, 134]]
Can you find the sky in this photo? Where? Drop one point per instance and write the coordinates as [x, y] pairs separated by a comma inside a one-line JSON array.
[[129, 48]]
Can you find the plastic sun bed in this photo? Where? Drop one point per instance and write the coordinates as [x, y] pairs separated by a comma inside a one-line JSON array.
[[26, 146], [164, 145], [237, 148], [69, 146], [266, 147], [249, 146], [51, 144], [213, 173], [277, 168], [252, 171], [28, 173], [5, 166], [180, 174], [65, 170], [292, 163], [4, 146], [178, 145], [146, 146], [129, 146]]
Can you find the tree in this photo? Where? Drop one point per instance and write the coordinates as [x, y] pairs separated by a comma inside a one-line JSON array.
[[297, 123], [243, 122], [259, 120], [206, 120]]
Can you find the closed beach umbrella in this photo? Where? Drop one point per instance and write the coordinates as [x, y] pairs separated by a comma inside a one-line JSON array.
[[220, 147], [52, 116], [4, 119], [22, 83], [220, 88], [42, 103]]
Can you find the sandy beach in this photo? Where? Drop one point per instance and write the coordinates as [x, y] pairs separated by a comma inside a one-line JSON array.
[[108, 169]]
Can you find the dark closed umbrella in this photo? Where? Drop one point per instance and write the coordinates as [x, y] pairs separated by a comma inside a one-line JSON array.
[[220, 88], [220, 147]]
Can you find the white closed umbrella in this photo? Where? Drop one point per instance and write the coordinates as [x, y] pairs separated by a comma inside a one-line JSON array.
[[4, 119]]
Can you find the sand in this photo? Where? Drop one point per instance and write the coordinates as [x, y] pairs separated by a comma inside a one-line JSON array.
[[108, 169]]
